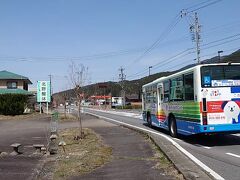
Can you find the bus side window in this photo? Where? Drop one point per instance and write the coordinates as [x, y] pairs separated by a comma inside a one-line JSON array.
[[166, 90], [148, 97], [154, 97], [188, 85], [176, 89], [161, 94], [154, 89]]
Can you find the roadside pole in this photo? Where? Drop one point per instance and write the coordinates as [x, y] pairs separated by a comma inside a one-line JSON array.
[[47, 107], [40, 107]]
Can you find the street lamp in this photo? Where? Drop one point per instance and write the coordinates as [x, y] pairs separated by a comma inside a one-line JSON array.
[[219, 58], [149, 70]]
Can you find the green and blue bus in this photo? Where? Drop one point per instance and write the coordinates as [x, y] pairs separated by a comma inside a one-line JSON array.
[[202, 99]]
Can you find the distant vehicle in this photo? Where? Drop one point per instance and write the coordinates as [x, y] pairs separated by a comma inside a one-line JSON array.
[[118, 101], [86, 103], [202, 99]]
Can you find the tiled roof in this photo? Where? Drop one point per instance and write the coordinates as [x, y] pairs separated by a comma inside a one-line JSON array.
[[10, 75], [14, 91]]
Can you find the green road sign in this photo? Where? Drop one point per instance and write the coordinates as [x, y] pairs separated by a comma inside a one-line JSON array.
[[43, 91]]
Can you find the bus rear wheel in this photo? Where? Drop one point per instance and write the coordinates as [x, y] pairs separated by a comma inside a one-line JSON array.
[[149, 120], [173, 127]]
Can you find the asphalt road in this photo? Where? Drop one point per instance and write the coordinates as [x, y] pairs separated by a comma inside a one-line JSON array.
[[220, 153]]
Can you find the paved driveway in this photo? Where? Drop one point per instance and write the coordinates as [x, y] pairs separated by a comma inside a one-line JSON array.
[[26, 132]]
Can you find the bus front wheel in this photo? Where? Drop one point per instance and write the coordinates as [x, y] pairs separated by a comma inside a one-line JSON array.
[[172, 127]]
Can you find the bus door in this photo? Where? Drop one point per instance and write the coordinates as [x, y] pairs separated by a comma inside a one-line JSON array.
[[160, 112]]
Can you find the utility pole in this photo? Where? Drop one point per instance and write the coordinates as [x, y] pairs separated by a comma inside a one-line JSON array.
[[50, 79], [149, 68], [219, 56], [122, 78], [195, 29], [197, 37]]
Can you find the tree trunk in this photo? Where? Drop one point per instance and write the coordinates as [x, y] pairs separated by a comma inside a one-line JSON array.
[[80, 120]]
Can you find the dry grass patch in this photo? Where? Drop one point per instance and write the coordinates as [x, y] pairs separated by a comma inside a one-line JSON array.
[[23, 116], [67, 117], [163, 162], [82, 156]]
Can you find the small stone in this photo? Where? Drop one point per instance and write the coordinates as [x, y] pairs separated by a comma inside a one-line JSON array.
[[3, 154], [13, 153]]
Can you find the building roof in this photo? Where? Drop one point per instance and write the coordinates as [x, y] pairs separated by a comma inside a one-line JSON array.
[[9, 75], [14, 91]]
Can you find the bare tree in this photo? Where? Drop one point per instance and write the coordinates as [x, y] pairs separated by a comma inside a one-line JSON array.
[[65, 97], [78, 77]]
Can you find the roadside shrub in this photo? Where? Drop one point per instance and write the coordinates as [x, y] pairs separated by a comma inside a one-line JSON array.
[[12, 104], [129, 107], [124, 107]]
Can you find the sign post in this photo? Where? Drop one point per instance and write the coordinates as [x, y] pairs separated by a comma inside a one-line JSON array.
[[43, 93]]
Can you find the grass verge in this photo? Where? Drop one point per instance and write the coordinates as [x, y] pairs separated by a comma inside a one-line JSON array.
[[163, 162], [67, 117], [23, 116], [82, 156]]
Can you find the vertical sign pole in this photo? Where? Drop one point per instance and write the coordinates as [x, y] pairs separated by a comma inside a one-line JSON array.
[[40, 108], [47, 107]]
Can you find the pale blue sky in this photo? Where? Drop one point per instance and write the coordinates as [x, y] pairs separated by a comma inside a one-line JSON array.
[[42, 37]]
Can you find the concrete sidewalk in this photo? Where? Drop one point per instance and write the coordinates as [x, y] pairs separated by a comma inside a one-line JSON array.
[[133, 156], [185, 165], [26, 132]]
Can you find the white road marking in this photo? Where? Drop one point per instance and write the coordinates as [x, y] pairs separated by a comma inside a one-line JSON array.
[[234, 155], [206, 147], [37, 137], [178, 139], [236, 135], [128, 114], [188, 154]]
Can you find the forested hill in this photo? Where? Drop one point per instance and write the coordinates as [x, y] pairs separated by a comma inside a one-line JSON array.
[[133, 88]]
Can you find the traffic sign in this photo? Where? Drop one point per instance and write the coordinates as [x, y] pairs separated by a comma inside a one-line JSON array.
[[43, 91]]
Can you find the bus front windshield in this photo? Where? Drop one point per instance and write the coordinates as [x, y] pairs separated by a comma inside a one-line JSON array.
[[220, 76]]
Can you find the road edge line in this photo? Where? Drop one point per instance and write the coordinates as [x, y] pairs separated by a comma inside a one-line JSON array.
[[180, 148]]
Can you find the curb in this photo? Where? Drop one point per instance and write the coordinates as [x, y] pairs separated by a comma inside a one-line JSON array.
[[183, 164], [188, 168]]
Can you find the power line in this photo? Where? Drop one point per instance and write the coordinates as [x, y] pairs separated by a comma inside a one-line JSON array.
[[160, 38], [196, 27], [197, 5], [223, 26], [90, 57], [167, 60], [229, 37], [139, 73], [107, 54], [184, 37], [185, 52], [226, 50], [204, 6], [174, 23], [226, 42]]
